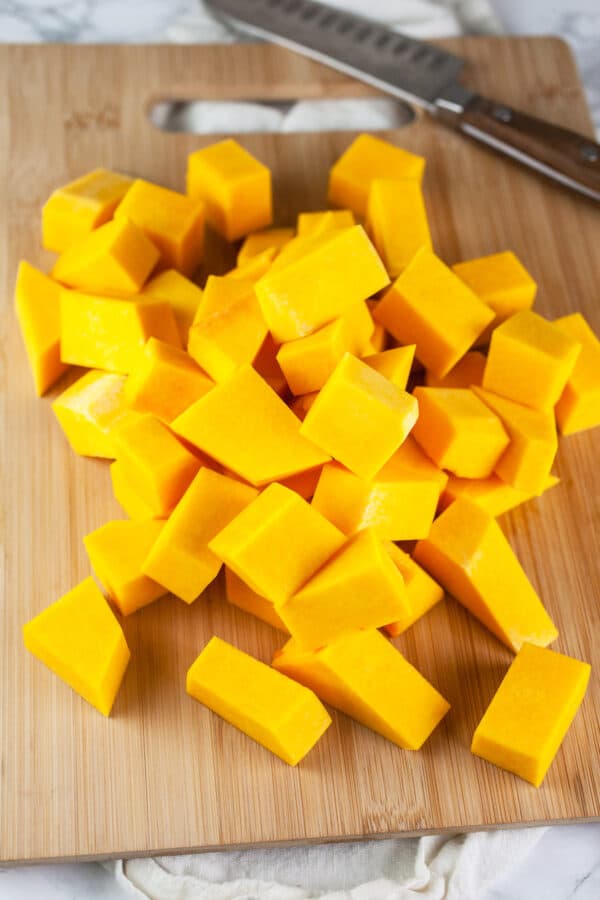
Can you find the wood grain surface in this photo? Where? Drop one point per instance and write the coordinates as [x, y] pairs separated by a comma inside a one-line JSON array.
[[165, 774]]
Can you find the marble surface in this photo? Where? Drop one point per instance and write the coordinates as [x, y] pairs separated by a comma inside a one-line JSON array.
[[566, 862]]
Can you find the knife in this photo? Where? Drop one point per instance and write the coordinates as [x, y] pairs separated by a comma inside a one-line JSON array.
[[419, 73]]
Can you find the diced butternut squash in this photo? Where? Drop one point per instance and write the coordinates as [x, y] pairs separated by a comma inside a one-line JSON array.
[[364, 676], [241, 595], [159, 467], [341, 269], [459, 432], [491, 494], [468, 372], [134, 506], [105, 333], [397, 222], [526, 462], [394, 364], [579, 404], [468, 554], [114, 260], [399, 502], [360, 587], [308, 362], [235, 187], [366, 159], [173, 222], [421, 592], [428, 305], [283, 716], [257, 243], [531, 712], [89, 410], [530, 361], [501, 280], [229, 328], [312, 223], [359, 417], [180, 293], [74, 210], [165, 381], [276, 543], [180, 559], [117, 551], [245, 426], [80, 640], [37, 305]]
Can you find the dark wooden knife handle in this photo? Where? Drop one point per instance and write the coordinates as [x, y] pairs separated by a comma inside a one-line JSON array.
[[563, 155]]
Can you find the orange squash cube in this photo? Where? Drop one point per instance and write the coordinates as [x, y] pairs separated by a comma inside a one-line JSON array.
[[421, 592], [397, 221], [579, 404], [241, 595], [180, 293], [394, 364], [468, 372], [235, 187], [37, 305], [269, 239]]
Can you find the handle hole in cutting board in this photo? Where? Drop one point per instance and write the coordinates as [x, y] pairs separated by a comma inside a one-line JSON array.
[[256, 116]]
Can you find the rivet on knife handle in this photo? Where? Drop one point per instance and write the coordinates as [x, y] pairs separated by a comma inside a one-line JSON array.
[[567, 157]]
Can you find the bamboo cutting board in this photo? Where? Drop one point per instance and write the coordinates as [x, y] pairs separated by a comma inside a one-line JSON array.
[[164, 774]]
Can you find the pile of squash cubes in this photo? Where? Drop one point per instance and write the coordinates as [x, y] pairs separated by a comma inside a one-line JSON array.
[[338, 392]]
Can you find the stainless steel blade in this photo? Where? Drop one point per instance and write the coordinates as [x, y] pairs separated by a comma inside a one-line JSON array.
[[407, 68]]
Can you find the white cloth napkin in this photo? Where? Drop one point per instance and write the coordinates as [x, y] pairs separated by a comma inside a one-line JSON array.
[[430, 868]]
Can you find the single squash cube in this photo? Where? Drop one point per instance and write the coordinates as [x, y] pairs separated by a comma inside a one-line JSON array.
[[360, 417], [76, 209], [398, 503], [283, 716], [397, 221], [313, 223], [421, 592], [159, 467], [114, 260], [366, 159], [526, 462], [241, 595], [255, 268], [165, 381], [492, 494], [394, 364], [229, 328], [245, 426], [37, 305], [89, 410], [80, 640], [359, 587], [530, 361], [459, 432], [364, 676], [117, 551], [173, 222], [235, 187], [531, 712], [105, 333], [428, 305], [180, 559], [308, 362], [134, 506], [468, 372], [468, 554], [180, 293], [257, 243], [579, 404], [501, 280], [339, 269], [276, 543]]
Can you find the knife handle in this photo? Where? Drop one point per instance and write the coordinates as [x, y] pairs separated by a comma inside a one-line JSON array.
[[563, 155]]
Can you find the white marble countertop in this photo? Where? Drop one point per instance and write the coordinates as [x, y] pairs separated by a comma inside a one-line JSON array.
[[566, 862]]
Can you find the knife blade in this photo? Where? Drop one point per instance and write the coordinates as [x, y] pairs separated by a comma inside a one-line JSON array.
[[423, 74]]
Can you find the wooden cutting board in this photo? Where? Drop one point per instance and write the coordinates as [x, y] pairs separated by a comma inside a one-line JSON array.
[[164, 774]]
